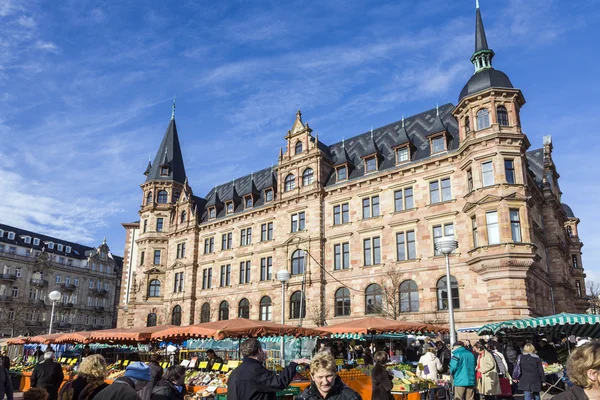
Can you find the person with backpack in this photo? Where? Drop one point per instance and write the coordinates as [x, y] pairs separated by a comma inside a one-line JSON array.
[[89, 380]]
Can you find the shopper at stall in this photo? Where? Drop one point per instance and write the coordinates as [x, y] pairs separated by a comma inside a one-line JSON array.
[[86, 351], [5, 360], [172, 386], [529, 372], [89, 381], [462, 369], [381, 378], [35, 394], [444, 354], [6, 388], [325, 383], [432, 365], [583, 369], [48, 375], [212, 359], [488, 381], [38, 354], [500, 362], [548, 352], [137, 375], [156, 372], [252, 381]]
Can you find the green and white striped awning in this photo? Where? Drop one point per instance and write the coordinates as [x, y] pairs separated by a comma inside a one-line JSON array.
[[567, 324], [360, 336]]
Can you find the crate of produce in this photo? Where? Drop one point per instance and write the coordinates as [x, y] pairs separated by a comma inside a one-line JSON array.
[[289, 391]]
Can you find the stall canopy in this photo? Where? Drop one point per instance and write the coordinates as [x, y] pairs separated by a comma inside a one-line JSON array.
[[374, 325], [565, 324], [76, 337], [45, 339], [235, 328], [18, 340], [126, 335]]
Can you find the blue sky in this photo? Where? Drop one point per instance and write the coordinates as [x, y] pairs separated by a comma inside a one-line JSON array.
[[86, 90]]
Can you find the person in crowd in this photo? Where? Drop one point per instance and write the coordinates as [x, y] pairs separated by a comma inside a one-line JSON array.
[[251, 380], [488, 381], [411, 353], [137, 375], [432, 365], [359, 351], [212, 359], [340, 351], [583, 369], [86, 351], [89, 381], [326, 349], [444, 354], [381, 378], [6, 388], [500, 362], [468, 344], [172, 386], [529, 372], [462, 369], [156, 373], [5, 360], [511, 353], [493, 341], [35, 394], [325, 383], [48, 375], [548, 352], [38, 354]]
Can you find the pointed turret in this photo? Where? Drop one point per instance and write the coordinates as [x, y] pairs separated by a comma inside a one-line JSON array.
[[149, 167], [482, 57], [168, 163]]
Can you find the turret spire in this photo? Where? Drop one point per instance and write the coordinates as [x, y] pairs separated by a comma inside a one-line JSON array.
[[482, 57], [168, 162], [173, 109]]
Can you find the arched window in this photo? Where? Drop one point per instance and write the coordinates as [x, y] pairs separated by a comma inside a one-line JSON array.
[[307, 177], [151, 320], [298, 147], [298, 262], [502, 116], [483, 119], [373, 299], [154, 288], [163, 197], [224, 311], [409, 296], [244, 309], [290, 182], [467, 125], [442, 293], [149, 198], [297, 303], [176, 316], [342, 302], [266, 309], [183, 216], [205, 313]]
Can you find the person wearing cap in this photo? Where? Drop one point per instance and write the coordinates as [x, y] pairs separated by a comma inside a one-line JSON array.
[[137, 375], [48, 375]]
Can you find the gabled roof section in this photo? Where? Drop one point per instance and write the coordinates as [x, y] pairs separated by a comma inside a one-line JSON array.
[[371, 147], [438, 124], [298, 124], [402, 137], [342, 157], [249, 188], [169, 154], [535, 165]]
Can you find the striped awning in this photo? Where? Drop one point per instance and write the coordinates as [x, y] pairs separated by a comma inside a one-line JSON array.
[[566, 324]]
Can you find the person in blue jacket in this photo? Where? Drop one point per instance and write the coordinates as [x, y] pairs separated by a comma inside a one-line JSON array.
[[462, 369]]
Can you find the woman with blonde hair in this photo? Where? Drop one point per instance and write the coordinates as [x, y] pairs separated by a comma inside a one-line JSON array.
[[529, 372], [583, 369], [90, 380], [325, 382]]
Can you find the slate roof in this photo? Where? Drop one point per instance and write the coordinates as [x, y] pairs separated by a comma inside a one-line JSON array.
[[568, 211], [169, 153], [485, 79], [480, 39], [535, 165]]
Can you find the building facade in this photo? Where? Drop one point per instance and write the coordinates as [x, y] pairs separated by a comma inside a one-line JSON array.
[[355, 223], [33, 265]]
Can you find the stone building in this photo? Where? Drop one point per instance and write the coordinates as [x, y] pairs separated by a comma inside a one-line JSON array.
[[33, 265], [355, 224]]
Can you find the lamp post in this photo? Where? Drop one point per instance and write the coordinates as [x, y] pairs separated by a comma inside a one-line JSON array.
[[447, 245], [283, 276], [54, 296]]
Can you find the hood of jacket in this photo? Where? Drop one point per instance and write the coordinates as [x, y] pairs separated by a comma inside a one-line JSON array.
[[429, 356]]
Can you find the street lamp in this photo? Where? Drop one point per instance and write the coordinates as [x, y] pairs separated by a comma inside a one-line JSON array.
[[447, 245], [54, 296], [283, 276]]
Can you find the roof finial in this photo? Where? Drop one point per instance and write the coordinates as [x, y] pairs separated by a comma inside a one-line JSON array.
[[402, 120], [437, 110], [476, 4], [173, 109], [149, 158], [371, 132], [343, 143], [104, 241], [482, 57]]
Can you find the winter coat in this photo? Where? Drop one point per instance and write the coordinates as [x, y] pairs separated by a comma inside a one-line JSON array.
[[502, 365], [532, 373], [462, 367], [5, 384], [165, 390], [339, 391], [48, 375], [444, 354], [575, 393], [156, 372], [81, 389], [489, 383], [6, 362], [433, 364], [122, 388], [381, 380], [252, 381], [548, 353]]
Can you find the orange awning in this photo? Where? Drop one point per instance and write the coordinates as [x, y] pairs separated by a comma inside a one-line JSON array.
[[18, 340], [126, 335], [377, 325], [75, 337], [45, 339]]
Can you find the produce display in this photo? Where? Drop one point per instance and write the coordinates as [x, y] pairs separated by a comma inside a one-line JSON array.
[[407, 381], [197, 378], [552, 368]]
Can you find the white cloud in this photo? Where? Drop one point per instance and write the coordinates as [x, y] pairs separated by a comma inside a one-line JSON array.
[[44, 45], [27, 22]]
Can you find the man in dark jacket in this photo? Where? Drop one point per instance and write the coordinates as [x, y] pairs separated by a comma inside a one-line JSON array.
[[548, 352], [5, 384], [137, 375], [5, 361], [252, 381], [48, 375], [172, 386], [444, 354]]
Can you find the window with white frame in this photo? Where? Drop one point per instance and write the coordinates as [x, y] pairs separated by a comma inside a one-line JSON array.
[[493, 227], [11, 235], [372, 251], [439, 231], [487, 173], [406, 246], [36, 241]]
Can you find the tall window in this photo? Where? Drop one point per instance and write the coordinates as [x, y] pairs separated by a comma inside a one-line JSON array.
[[442, 293], [487, 173], [341, 214], [502, 116], [441, 231], [176, 316], [268, 195], [266, 268], [307, 177], [212, 213], [297, 305], [266, 232], [163, 197], [370, 207], [341, 256], [266, 309], [178, 284], [342, 302], [154, 288], [469, 179], [409, 296], [156, 257], [493, 228], [372, 251], [151, 320], [403, 199], [290, 182], [207, 278], [244, 309], [181, 250], [515, 225], [467, 125], [229, 207], [298, 262], [226, 275], [159, 224], [205, 313], [248, 202], [509, 171], [226, 241], [183, 216], [578, 288], [244, 272], [223, 311], [298, 149], [373, 299], [434, 191], [438, 144], [342, 173], [483, 119], [209, 245], [298, 221], [405, 246], [474, 230], [149, 198], [575, 262], [246, 236]]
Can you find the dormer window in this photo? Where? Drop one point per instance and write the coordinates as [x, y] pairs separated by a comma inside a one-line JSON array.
[[36, 241], [27, 239], [402, 155], [483, 119], [50, 245], [212, 213], [248, 202], [11, 235], [229, 207], [59, 247], [438, 144], [269, 195], [342, 173], [164, 171], [371, 164], [290, 182], [68, 249], [298, 147]]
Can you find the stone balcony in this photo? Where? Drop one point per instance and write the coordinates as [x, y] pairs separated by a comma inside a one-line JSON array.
[[99, 308], [38, 282], [68, 287], [37, 302], [66, 305], [6, 299], [8, 277]]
